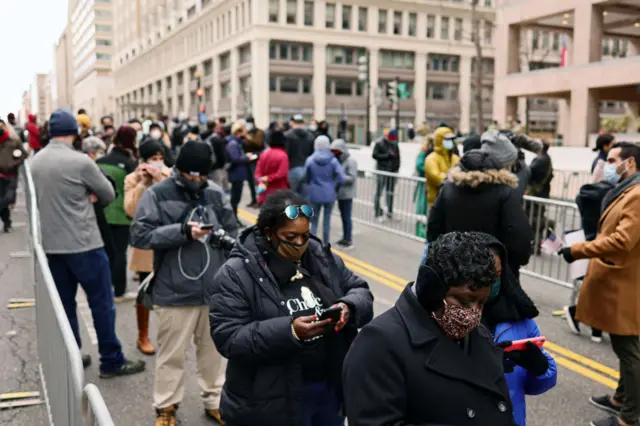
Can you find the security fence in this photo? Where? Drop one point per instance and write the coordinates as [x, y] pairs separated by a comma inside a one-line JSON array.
[[60, 361], [566, 184], [396, 204], [96, 410]]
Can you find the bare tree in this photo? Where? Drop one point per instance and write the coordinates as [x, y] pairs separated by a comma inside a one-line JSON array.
[[475, 37], [529, 55]]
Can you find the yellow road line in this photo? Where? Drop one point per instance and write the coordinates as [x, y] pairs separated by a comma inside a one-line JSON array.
[[583, 371], [397, 283], [582, 360]]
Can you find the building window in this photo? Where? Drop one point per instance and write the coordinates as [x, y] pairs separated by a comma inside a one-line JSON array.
[[363, 23], [488, 33], [272, 84], [488, 3], [103, 42], [535, 40], [225, 90], [341, 55], [284, 52], [273, 54], [306, 85], [615, 49], [330, 16], [445, 63], [556, 42], [344, 87], [245, 54], [292, 6], [308, 13], [289, 84], [274, 10], [413, 24], [208, 67], [103, 56], [382, 21], [307, 53], [397, 23], [104, 28], [605, 46], [295, 52], [545, 40], [346, 17], [396, 59], [624, 49], [431, 26], [191, 12], [457, 29], [225, 62], [444, 28]]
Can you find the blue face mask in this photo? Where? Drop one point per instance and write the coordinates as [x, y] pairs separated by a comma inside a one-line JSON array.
[[495, 289], [448, 145], [611, 174]]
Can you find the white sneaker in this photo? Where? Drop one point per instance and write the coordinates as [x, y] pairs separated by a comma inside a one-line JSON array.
[[574, 326]]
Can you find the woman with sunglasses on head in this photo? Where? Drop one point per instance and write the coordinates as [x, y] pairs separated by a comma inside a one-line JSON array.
[[266, 316]]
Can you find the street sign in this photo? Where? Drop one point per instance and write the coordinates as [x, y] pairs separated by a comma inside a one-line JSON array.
[[403, 91]]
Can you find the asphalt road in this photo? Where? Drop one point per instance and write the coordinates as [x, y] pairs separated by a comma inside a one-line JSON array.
[[585, 368]]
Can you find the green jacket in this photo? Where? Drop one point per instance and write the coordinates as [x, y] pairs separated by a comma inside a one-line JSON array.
[[117, 164]]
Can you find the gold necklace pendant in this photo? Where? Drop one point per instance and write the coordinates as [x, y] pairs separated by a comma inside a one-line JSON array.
[[297, 276]]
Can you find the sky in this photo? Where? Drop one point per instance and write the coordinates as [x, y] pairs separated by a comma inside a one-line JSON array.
[[28, 33]]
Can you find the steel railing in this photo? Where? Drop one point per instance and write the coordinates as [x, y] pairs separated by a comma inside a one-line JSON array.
[[408, 221], [60, 361]]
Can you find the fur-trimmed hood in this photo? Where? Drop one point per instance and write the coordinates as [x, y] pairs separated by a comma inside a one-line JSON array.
[[473, 179]]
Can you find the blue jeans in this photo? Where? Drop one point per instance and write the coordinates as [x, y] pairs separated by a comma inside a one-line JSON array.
[[321, 405], [91, 270], [296, 181], [425, 251], [346, 208], [326, 221]]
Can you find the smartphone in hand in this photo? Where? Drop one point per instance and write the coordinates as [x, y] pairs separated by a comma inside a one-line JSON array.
[[521, 345], [206, 226], [332, 313]]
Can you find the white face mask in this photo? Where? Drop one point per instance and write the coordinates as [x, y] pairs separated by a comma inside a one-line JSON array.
[[249, 126], [156, 134], [157, 164], [313, 127]]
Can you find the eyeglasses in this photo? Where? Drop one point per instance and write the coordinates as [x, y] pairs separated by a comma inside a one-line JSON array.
[[293, 212]]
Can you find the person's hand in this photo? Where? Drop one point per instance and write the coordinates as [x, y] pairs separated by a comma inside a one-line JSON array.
[[93, 198], [531, 359], [307, 328], [264, 179], [565, 252], [196, 232], [507, 362], [143, 172], [344, 316], [154, 172]]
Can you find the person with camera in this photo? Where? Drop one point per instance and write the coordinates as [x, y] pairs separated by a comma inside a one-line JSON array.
[[183, 219], [284, 312]]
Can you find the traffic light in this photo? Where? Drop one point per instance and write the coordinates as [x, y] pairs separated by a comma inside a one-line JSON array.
[[392, 94], [200, 92], [363, 68]]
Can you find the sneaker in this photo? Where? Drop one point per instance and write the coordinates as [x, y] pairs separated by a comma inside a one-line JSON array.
[[86, 360], [166, 416], [126, 369], [340, 243], [569, 315], [596, 335], [348, 245], [604, 403], [7, 228], [214, 415], [380, 219]]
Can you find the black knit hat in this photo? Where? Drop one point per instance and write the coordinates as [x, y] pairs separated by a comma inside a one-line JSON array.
[[150, 148], [194, 158]]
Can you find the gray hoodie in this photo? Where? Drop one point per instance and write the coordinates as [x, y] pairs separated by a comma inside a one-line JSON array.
[[346, 191]]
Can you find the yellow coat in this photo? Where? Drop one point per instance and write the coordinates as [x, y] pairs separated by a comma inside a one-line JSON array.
[[437, 164]]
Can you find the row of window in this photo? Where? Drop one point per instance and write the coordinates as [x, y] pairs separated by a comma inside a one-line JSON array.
[[286, 51], [345, 20], [546, 41]]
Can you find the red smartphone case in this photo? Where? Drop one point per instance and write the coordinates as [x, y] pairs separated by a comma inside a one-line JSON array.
[[521, 345]]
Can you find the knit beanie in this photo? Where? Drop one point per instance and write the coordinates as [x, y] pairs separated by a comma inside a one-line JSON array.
[[150, 148], [194, 158], [322, 143], [499, 147], [84, 121], [62, 123]]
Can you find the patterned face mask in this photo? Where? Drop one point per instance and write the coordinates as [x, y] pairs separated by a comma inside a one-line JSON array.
[[458, 321]]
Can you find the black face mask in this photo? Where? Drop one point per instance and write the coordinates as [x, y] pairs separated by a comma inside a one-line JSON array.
[[192, 186]]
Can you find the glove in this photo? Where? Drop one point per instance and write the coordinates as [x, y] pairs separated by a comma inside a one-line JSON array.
[[566, 253], [531, 359], [507, 363]]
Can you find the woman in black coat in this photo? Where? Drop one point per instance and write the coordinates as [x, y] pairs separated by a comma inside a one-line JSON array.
[[427, 361], [480, 196], [284, 364]]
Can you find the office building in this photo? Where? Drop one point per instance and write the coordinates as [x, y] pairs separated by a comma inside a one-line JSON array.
[[275, 58], [595, 75], [41, 102], [91, 23], [62, 76]]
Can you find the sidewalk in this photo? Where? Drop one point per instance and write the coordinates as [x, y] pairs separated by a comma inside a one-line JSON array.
[[18, 350]]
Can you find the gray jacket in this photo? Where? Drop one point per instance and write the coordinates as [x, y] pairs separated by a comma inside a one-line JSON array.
[[159, 225], [346, 191], [64, 179]]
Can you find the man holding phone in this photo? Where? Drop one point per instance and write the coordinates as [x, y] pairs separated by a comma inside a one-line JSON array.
[[174, 218]]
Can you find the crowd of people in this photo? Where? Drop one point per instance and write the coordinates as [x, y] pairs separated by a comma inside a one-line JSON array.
[[283, 330]]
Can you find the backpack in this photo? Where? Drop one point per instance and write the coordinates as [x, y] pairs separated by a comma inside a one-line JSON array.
[[589, 201]]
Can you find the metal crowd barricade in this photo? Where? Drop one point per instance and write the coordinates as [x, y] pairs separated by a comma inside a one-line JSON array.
[[96, 410], [60, 361], [566, 184], [543, 214]]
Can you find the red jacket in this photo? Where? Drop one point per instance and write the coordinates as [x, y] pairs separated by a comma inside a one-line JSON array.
[[274, 164], [34, 133]]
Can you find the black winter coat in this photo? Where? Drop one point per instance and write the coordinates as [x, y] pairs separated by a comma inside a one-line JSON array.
[[403, 371], [589, 201], [251, 327], [483, 202], [387, 155]]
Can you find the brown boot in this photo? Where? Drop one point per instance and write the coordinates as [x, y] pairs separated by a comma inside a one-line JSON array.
[[166, 416], [214, 415], [144, 344]]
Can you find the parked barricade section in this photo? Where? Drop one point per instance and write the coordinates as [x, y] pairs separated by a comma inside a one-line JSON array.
[[566, 184], [96, 412]]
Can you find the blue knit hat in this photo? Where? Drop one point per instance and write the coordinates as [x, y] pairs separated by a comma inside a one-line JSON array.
[[62, 123]]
